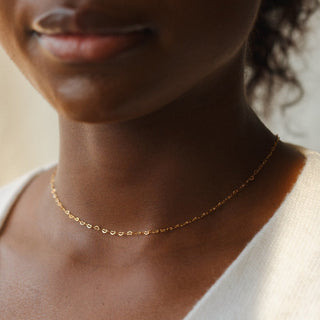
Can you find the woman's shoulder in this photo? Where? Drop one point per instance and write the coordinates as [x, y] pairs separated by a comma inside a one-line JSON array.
[[21, 180], [301, 207], [307, 186], [311, 170], [10, 192], [312, 161], [309, 153]]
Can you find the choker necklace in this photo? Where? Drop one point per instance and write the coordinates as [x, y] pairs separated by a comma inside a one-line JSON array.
[[165, 229]]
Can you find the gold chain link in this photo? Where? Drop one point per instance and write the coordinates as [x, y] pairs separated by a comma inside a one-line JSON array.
[[170, 228]]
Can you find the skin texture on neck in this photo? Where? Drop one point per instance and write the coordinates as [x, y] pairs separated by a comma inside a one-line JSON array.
[[156, 135], [130, 173], [157, 170], [150, 138]]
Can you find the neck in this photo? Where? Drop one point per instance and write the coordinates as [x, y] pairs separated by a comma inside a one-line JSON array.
[[160, 169]]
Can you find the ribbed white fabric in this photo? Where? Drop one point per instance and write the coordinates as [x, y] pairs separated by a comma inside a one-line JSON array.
[[276, 276]]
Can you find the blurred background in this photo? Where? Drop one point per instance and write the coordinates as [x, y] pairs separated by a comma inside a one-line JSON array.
[[29, 127]]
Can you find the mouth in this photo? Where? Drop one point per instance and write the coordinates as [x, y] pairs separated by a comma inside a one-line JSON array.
[[76, 37], [75, 48]]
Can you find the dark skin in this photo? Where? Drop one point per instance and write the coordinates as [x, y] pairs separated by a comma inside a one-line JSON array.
[[148, 139]]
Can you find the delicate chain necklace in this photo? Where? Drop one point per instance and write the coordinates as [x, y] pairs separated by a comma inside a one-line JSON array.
[[170, 228]]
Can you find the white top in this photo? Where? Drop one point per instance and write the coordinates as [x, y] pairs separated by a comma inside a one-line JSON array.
[[276, 276]]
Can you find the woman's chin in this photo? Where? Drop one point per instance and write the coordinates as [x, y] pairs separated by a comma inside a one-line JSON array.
[[89, 102], [84, 114], [86, 111]]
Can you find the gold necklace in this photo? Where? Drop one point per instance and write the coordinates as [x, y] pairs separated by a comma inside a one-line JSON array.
[[170, 228]]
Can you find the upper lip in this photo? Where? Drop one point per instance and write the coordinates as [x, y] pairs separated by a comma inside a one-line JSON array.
[[70, 21]]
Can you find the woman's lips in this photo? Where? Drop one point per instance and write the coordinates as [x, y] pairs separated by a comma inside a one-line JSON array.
[[83, 34], [77, 48]]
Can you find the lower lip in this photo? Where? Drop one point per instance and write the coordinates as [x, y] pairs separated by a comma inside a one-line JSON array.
[[75, 48]]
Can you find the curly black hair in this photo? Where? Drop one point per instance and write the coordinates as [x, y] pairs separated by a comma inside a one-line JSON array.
[[279, 28]]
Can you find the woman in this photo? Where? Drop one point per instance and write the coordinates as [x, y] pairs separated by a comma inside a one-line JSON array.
[[156, 129]]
